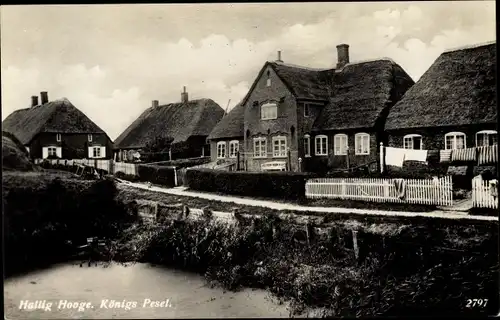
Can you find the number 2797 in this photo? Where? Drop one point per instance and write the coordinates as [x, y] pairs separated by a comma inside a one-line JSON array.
[[472, 303]]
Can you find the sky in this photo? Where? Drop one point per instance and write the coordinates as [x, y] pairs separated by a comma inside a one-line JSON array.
[[111, 61]]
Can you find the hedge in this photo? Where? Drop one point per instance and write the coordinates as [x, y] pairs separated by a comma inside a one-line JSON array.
[[278, 185], [185, 163], [161, 175]]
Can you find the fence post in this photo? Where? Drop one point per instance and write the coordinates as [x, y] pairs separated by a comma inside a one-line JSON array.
[[344, 188], [347, 157], [381, 157], [175, 177], [238, 160]]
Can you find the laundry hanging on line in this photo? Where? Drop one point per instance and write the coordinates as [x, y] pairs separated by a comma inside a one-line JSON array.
[[400, 185], [415, 155], [394, 156], [468, 154], [487, 155], [445, 155]]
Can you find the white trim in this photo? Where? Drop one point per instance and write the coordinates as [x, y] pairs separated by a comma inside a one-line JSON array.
[[236, 149], [337, 142], [221, 146], [487, 132], [262, 145], [361, 135], [307, 152], [99, 153], [269, 105], [413, 135], [89, 137], [58, 137], [319, 138], [455, 134], [279, 139]]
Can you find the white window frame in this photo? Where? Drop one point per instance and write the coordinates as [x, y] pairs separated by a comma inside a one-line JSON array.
[[487, 133], [267, 115], [307, 107], [260, 147], [307, 151], [282, 146], [358, 138], [268, 82], [58, 137], [49, 153], [454, 134], [234, 146], [337, 142], [96, 154], [411, 145], [221, 149], [318, 143], [89, 137]]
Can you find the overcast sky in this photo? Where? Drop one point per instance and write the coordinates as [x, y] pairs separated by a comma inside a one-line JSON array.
[[112, 60]]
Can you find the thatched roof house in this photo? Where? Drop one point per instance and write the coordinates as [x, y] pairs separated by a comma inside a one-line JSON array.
[[57, 128], [458, 89], [452, 106], [360, 92], [183, 122], [231, 125], [58, 116]]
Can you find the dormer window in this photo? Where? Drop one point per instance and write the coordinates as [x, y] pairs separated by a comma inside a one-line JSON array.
[[58, 137], [269, 111], [90, 138], [268, 81]]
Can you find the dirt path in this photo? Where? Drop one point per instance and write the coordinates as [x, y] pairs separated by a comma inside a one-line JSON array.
[[283, 206]]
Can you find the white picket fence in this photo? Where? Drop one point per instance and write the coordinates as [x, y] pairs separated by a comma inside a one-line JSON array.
[[108, 165], [417, 191], [482, 196]]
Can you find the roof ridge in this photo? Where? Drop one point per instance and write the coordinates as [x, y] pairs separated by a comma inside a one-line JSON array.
[[366, 61], [299, 67], [470, 46]]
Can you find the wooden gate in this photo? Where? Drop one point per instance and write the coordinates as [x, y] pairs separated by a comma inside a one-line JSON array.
[[181, 177]]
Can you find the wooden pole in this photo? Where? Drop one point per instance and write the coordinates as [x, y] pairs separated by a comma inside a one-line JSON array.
[[238, 160], [381, 157], [289, 160], [347, 155]]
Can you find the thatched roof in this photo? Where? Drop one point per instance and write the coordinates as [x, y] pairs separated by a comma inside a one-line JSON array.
[[360, 92], [458, 89], [176, 120], [58, 116], [231, 125], [302, 82]]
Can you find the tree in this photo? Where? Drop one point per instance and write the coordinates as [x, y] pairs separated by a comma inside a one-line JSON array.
[[158, 145]]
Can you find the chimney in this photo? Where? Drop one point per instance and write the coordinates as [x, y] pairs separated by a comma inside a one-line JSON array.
[[342, 55], [279, 57], [44, 97], [155, 103], [184, 96], [34, 101]]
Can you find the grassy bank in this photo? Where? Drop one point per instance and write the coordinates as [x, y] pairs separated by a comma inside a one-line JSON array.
[[47, 214], [395, 267]]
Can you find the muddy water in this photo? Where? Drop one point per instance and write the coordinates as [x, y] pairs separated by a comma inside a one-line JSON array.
[[137, 286]]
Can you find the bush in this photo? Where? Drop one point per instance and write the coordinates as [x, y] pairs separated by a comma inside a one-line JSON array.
[[161, 175], [128, 177], [185, 163], [278, 185]]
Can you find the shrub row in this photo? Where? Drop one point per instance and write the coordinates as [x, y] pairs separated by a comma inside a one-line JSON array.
[[185, 163], [161, 175], [278, 185]]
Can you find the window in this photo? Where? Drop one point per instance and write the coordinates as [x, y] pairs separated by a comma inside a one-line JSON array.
[[412, 141], [486, 138], [279, 146], [90, 138], [233, 148], [340, 144], [454, 140], [307, 145], [269, 111], [306, 110], [58, 137], [268, 81], [221, 149], [96, 152], [52, 151], [362, 143], [259, 147], [321, 144]]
